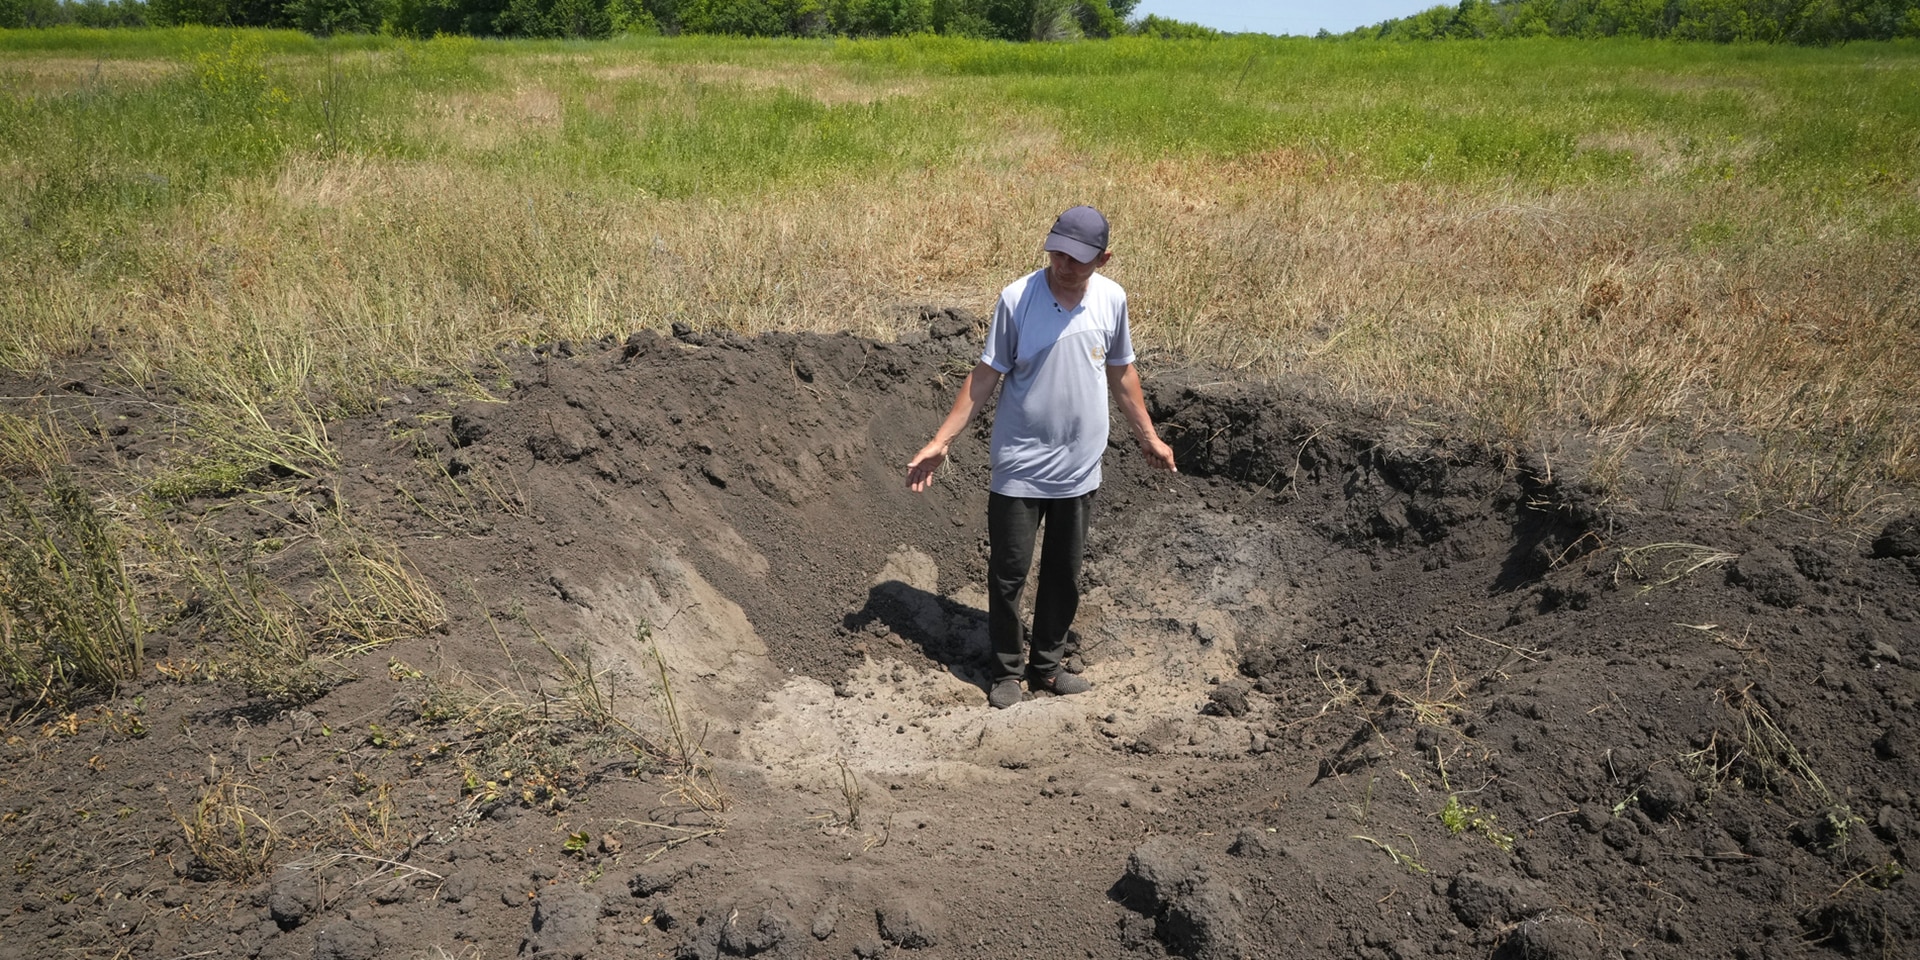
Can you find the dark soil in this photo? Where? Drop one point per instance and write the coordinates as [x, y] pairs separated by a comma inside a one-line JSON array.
[[1363, 687]]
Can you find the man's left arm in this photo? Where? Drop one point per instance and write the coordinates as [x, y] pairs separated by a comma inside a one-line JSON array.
[[1124, 381]]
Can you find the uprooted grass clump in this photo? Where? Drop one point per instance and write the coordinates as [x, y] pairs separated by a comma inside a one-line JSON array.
[[69, 610], [238, 624], [226, 838]]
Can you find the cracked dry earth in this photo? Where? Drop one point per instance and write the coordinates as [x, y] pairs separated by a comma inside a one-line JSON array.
[[1363, 687]]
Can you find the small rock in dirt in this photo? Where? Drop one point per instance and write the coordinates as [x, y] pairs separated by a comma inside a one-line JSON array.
[[1769, 576], [1620, 834], [752, 933], [1482, 901], [1899, 538], [1227, 700], [469, 428], [1195, 916], [869, 950], [460, 886], [1251, 842], [1813, 562], [1893, 826], [1665, 794], [1259, 661], [1884, 652], [1550, 938], [564, 920], [1156, 871], [954, 322], [293, 898], [124, 916], [1203, 925], [646, 883], [346, 940], [907, 924], [825, 921], [1856, 929]]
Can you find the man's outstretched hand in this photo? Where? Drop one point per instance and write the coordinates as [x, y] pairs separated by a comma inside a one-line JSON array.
[[1158, 454], [920, 469]]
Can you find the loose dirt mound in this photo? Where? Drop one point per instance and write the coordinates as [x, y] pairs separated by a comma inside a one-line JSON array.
[[1362, 688]]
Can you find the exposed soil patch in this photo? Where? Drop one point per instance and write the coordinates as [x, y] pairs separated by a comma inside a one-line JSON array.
[[1362, 688]]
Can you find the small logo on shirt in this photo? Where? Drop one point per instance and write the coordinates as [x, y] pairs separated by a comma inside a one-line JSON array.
[[1097, 355]]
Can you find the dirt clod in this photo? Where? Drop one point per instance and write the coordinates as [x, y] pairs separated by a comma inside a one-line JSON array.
[[347, 940], [294, 898], [907, 924], [1483, 901], [1899, 538], [564, 923], [1551, 937]]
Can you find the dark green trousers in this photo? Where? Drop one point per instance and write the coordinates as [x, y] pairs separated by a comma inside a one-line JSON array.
[[1012, 523]]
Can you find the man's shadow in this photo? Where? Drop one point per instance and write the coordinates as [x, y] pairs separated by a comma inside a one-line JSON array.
[[951, 633]]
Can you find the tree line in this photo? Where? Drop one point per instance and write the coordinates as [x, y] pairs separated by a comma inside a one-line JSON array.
[[1724, 21], [1772, 21], [986, 19]]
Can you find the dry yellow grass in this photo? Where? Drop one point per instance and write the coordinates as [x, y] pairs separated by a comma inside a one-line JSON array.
[[50, 75]]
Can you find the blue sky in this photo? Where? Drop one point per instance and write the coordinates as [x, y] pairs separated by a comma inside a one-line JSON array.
[[1278, 16]]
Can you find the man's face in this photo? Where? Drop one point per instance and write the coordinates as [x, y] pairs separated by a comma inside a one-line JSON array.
[[1072, 273]]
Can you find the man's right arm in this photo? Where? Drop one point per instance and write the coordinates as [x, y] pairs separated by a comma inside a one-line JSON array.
[[979, 386]]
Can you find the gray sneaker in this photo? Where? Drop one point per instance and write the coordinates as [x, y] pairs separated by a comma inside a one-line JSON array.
[[1061, 684], [1005, 693]]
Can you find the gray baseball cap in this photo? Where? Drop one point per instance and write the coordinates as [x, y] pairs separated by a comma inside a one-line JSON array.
[[1080, 233]]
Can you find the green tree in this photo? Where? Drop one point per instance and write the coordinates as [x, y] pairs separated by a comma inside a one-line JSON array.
[[1164, 28], [325, 17], [754, 18], [211, 13], [554, 18], [880, 18], [632, 17], [1099, 19]]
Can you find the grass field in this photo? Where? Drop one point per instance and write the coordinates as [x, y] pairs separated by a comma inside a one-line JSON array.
[[1625, 241]]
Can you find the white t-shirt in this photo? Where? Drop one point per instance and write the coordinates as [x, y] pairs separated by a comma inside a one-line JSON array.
[[1050, 427]]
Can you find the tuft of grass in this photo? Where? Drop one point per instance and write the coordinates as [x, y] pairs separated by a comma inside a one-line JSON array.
[[242, 626], [69, 612], [254, 633], [31, 446], [1765, 756], [228, 839], [693, 776], [241, 438], [851, 792], [1667, 563], [1439, 699], [1459, 817], [374, 598], [1412, 865]]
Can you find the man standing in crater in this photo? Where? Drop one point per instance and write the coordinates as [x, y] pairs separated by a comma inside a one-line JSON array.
[[1059, 340]]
